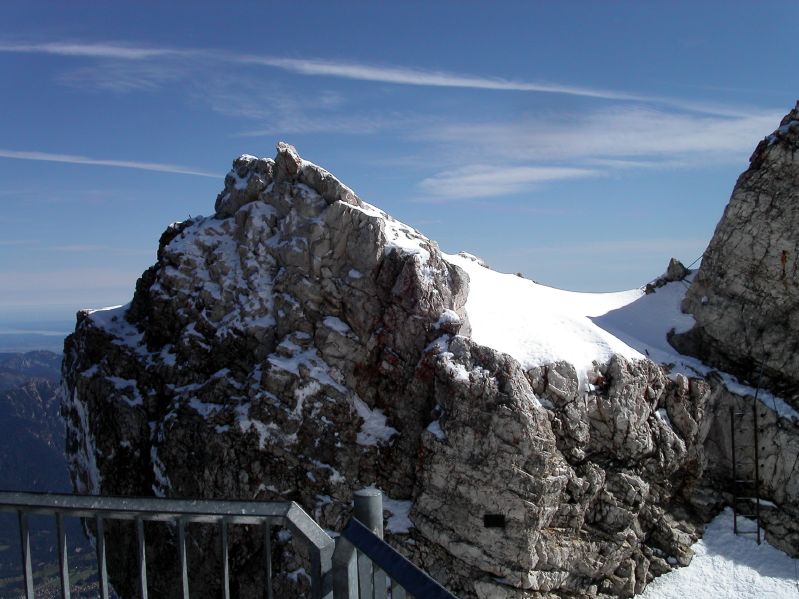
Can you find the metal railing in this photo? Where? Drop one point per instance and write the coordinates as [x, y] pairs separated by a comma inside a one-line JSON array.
[[180, 512], [366, 567], [359, 564]]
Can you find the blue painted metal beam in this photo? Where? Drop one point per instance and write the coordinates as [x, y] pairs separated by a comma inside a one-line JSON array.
[[397, 566]]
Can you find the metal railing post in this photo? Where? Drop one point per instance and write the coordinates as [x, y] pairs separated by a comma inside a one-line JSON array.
[[368, 509], [184, 566], [734, 460], [63, 560], [25, 538], [225, 560], [102, 570], [142, 557], [268, 560], [757, 468], [413, 580], [345, 570]]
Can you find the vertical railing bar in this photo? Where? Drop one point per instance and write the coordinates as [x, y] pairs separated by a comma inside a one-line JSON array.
[[25, 538], [757, 469], [379, 578], [184, 567], [734, 473], [268, 558], [225, 559], [397, 592], [63, 560], [365, 586], [102, 570], [142, 558], [345, 570]]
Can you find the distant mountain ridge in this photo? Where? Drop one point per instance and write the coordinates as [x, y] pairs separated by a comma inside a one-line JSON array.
[[32, 458], [17, 368], [31, 427]]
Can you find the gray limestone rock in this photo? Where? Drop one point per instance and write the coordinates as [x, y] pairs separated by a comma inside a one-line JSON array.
[[675, 271], [778, 461], [745, 296], [582, 490], [301, 344], [273, 352]]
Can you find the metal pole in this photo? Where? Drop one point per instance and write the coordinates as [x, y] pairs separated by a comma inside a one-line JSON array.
[[101, 565], [733, 459], [184, 566], [268, 559], [369, 510], [345, 570], [757, 471], [225, 560], [63, 562], [25, 538], [142, 558], [397, 592]]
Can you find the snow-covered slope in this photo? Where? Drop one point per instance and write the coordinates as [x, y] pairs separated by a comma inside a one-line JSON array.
[[644, 324], [539, 325]]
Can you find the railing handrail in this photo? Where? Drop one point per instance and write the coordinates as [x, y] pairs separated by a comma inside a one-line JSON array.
[[356, 538], [148, 508], [180, 511]]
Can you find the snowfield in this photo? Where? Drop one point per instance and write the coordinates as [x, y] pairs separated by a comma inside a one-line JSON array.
[[726, 566], [538, 325]]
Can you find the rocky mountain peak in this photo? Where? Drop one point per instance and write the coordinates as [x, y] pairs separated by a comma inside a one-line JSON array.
[[300, 344], [250, 177], [745, 297]]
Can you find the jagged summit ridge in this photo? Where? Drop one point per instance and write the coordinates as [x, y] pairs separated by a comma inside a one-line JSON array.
[[300, 344], [251, 176]]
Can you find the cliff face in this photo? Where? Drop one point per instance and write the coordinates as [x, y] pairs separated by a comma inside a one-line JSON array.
[[745, 297], [300, 344]]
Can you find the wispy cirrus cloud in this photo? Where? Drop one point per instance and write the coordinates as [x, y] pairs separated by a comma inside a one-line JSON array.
[[315, 67], [275, 110], [74, 159], [342, 69], [618, 137], [124, 76], [91, 50], [545, 148], [421, 77], [481, 181], [633, 131]]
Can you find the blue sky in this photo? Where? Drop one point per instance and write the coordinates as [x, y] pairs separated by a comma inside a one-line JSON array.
[[580, 143]]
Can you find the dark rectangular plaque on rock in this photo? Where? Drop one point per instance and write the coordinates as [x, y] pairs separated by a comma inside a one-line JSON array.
[[494, 520]]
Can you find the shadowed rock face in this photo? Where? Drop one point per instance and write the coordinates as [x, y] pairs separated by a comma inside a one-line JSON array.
[[301, 344], [745, 297]]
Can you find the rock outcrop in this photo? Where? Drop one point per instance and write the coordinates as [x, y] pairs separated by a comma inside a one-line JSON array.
[[745, 297], [745, 302], [300, 344], [777, 459]]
